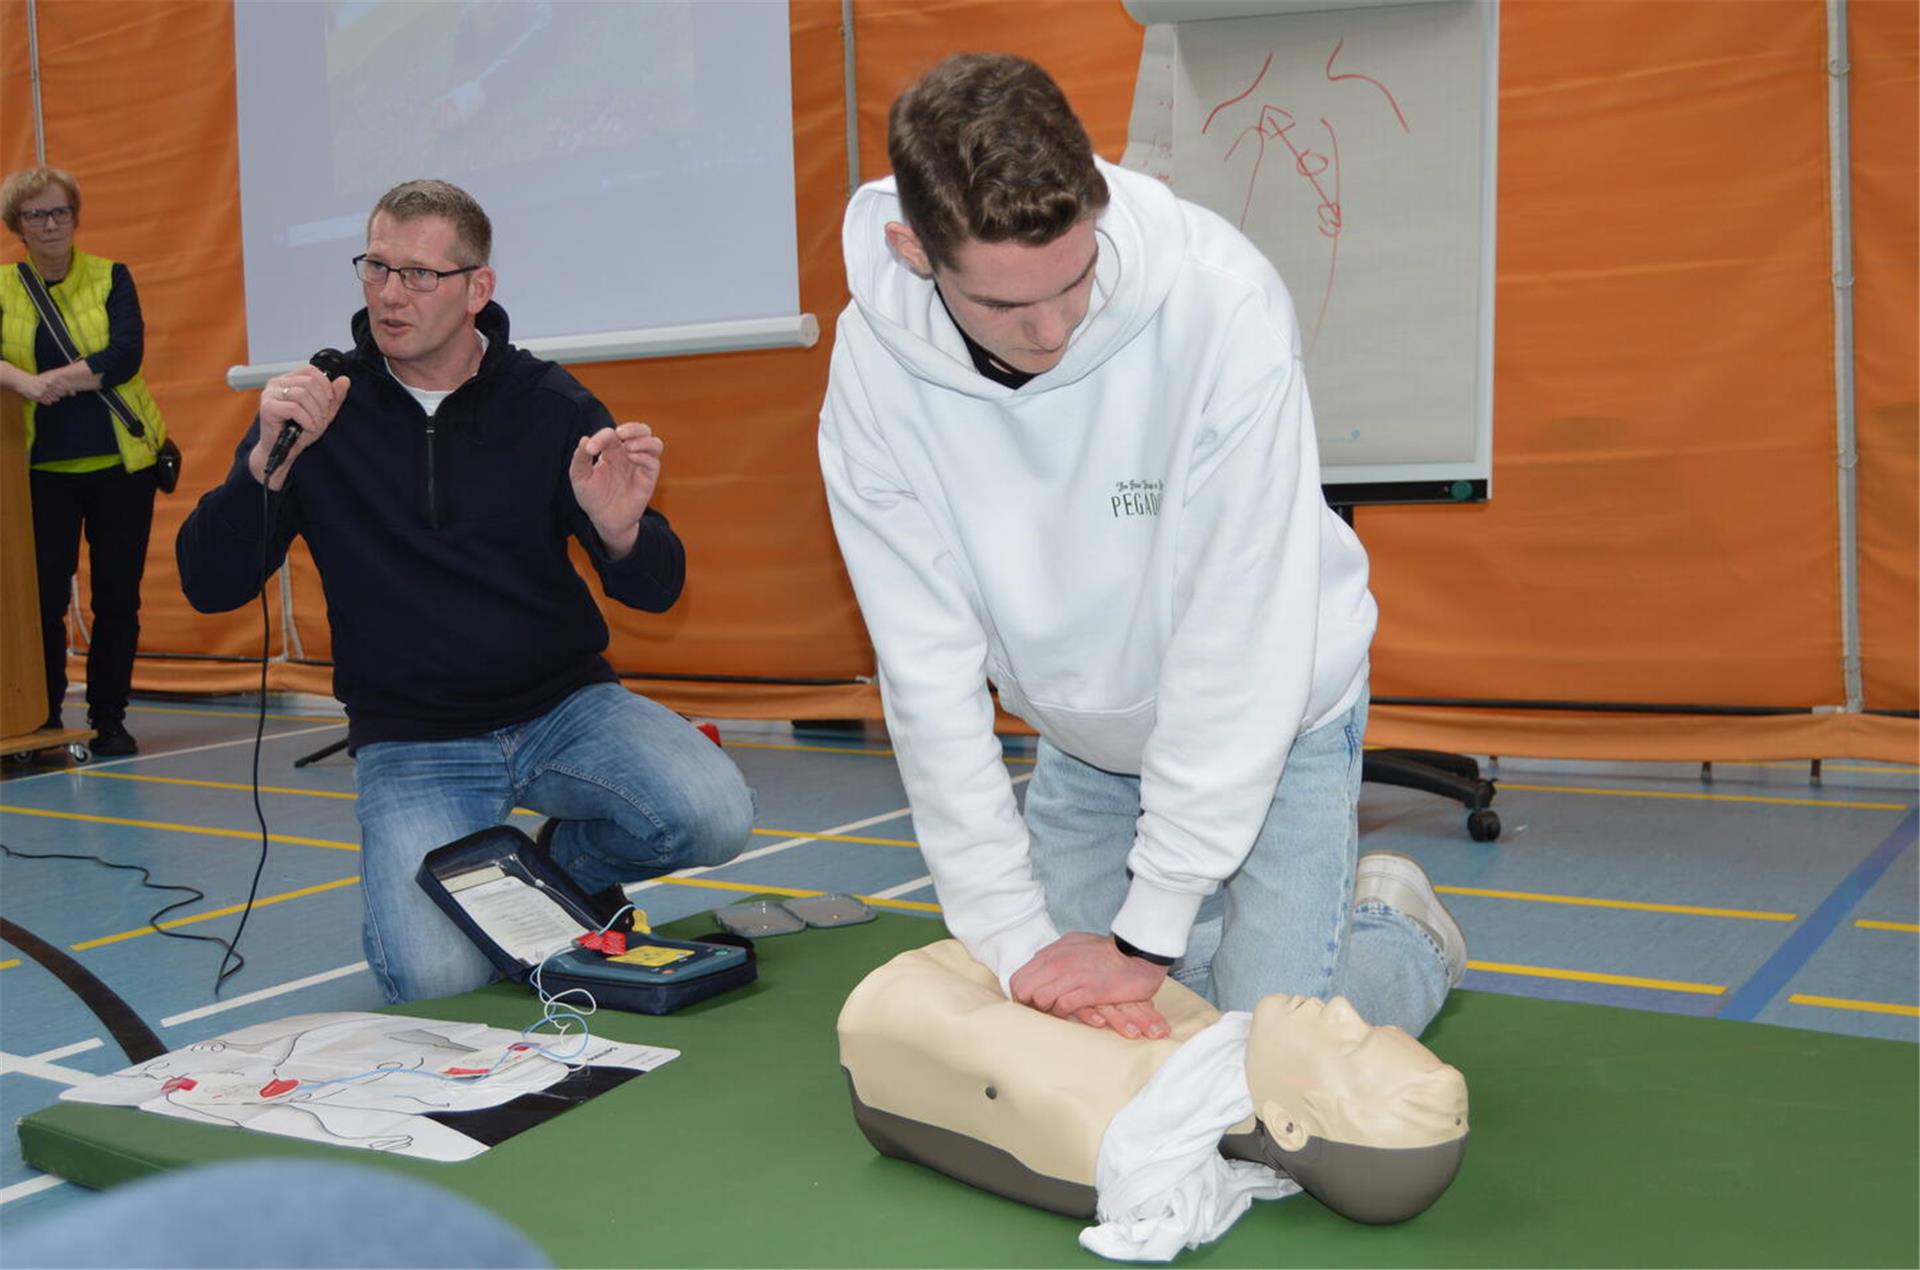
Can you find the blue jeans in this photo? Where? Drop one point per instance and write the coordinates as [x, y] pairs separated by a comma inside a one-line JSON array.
[[1285, 921], [639, 791]]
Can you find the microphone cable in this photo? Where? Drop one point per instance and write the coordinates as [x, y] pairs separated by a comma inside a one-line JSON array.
[[333, 364], [231, 963]]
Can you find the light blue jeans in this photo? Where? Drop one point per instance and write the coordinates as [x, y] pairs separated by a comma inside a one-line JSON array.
[[639, 791], [1286, 921]]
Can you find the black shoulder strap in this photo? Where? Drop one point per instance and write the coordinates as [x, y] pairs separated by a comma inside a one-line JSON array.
[[57, 327]]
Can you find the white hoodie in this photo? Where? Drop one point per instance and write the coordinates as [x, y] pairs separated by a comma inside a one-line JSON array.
[[1133, 548]]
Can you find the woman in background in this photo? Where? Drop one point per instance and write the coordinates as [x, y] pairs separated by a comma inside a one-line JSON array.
[[92, 469]]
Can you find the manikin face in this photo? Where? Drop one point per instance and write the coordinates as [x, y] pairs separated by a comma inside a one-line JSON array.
[[1019, 302], [1317, 1069], [426, 335], [49, 239]]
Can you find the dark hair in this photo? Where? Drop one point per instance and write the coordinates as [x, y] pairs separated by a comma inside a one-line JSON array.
[[985, 146], [411, 200]]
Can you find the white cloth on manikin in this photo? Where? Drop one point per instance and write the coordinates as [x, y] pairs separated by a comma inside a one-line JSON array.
[[1162, 1182]]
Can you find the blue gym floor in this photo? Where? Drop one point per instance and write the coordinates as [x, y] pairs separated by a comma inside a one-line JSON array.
[[1751, 892]]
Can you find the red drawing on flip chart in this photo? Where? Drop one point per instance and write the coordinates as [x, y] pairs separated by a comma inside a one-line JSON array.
[[1318, 165]]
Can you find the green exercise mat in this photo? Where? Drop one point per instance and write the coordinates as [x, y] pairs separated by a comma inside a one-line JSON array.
[[1601, 1137]]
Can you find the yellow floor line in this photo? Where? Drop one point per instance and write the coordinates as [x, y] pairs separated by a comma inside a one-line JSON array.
[[917, 906], [806, 749], [1842, 1003], [1797, 764], [834, 749], [835, 837], [241, 714], [1591, 976], [205, 830], [1704, 798], [229, 911], [1907, 927], [1643, 906], [201, 784], [8, 965]]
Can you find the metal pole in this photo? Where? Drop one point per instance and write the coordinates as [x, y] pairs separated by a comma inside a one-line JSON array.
[[1840, 199], [33, 77], [849, 91]]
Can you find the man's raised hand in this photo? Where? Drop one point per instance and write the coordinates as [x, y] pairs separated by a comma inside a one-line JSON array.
[[614, 472]]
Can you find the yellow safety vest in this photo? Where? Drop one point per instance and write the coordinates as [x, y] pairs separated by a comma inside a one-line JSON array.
[[82, 301]]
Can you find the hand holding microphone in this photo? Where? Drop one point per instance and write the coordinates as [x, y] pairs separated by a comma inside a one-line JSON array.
[[295, 410]]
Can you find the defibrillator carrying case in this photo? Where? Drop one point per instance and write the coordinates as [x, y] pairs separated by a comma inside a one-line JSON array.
[[527, 916]]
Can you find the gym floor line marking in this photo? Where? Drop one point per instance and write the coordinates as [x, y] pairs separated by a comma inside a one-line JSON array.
[[836, 749], [1643, 906], [1825, 767], [917, 906], [32, 1186], [1845, 1003], [835, 837], [265, 994], [1594, 976], [905, 888], [11, 1063], [207, 830], [148, 756], [230, 910], [1767, 800], [332, 719], [68, 1051], [1773, 977], [787, 843], [204, 784], [8, 965], [1907, 927]]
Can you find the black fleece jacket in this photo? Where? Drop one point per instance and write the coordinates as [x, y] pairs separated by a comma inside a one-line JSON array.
[[441, 544]]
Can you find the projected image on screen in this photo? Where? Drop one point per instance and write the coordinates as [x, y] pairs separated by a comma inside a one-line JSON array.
[[479, 84], [636, 158]]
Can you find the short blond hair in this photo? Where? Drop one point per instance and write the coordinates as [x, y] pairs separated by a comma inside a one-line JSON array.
[[415, 200], [28, 182]]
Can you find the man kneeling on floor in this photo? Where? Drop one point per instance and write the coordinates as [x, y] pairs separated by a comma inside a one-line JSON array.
[[437, 483]]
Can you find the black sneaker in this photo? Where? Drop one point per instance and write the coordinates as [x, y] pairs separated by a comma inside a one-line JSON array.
[[112, 740], [604, 901]]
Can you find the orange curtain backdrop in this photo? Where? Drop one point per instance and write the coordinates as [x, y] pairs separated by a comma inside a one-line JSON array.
[[138, 103], [1663, 520], [1091, 47], [1884, 36], [16, 93]]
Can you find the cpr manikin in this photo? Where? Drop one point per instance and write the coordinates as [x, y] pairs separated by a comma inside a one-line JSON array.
[[946, 1071]]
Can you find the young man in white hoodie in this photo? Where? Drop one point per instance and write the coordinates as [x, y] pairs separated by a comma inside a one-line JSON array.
[[1069, 452]]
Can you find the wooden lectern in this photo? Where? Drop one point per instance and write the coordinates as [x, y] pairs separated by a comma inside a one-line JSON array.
[[23, 676]]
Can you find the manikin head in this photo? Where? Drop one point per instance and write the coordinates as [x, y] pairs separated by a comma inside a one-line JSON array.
[[1365, 1118], [999, 189]]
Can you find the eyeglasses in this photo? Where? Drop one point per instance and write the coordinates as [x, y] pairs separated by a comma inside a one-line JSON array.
[[373, 273], [42, 215]]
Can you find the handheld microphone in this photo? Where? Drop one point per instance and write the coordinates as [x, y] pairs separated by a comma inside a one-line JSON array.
[[332, 363]]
